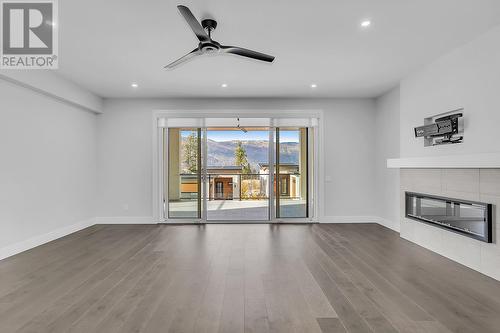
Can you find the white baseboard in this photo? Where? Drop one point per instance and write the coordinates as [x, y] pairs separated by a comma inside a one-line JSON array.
[[58, 233], [32, 242], [125, 220], [325, 219], [361, 219], [350, 219], [149, 219], [389, 224]]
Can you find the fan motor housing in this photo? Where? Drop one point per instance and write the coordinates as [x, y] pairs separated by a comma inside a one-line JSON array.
[[209, 47], [209, 24]]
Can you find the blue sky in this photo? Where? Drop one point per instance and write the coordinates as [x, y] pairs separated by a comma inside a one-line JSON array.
[[285, 136]]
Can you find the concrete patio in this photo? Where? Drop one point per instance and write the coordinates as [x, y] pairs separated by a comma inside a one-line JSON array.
[[228, 210]]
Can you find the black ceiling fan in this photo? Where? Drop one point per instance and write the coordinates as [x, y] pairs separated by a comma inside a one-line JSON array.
[[207, 45]]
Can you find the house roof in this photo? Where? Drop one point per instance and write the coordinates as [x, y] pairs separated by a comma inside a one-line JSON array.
[[264, 165], [225, 167]]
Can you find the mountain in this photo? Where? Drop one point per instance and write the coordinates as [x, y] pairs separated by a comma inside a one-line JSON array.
[[221, 153]]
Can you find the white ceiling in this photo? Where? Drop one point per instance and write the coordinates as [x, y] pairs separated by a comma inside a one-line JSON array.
[[105, 45]]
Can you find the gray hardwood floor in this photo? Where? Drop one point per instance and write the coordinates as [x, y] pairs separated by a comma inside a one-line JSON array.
[[242, 278]]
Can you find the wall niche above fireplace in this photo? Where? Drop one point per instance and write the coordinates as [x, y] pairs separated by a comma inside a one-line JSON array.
[[468, 218]]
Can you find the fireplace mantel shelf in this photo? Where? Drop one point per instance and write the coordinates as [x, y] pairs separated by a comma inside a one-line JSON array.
[[476, 161]]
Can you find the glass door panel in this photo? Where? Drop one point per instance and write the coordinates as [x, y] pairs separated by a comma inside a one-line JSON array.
[[291, 165], [184, 173], [237, 173]]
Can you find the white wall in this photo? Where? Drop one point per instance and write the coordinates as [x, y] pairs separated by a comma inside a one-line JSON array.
[[387, 110], [125, 162], [468, 77], [47, 168]]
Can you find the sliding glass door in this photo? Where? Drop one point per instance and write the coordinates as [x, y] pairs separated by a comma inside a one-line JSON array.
[[237, 173]]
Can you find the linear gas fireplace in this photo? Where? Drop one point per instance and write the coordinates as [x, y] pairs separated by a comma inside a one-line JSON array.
[[468, 218]]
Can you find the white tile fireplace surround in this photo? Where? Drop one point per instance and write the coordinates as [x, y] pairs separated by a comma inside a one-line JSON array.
[[468, 184]]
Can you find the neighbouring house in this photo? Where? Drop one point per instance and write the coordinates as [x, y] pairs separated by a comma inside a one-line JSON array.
[[231, 183], [188, 186], [224, 182], [289, 175]]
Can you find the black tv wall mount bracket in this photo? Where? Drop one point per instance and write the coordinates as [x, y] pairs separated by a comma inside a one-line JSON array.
[[442, 129]]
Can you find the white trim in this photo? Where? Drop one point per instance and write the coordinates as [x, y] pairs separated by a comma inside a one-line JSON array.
[[125, 220], [53, 86], [247, 113], [393, 225], [487, 160], [350, 219], [362, 219], [289, 221], [319, 167], [270, 189], [205, 187], [35, 241], [157, 172]]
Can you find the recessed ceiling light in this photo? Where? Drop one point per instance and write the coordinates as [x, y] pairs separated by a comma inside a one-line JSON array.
[[224, 85], [366, 23], [314, 85], [134, 85]]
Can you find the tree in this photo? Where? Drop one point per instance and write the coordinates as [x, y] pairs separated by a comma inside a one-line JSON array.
[[190, 148], [240, 156]]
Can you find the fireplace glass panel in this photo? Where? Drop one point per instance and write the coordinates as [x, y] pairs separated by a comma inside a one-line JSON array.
[[465, 217]]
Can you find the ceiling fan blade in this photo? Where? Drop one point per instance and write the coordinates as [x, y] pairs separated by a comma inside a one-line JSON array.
[[247, 53], [183, 59], [193, 23]]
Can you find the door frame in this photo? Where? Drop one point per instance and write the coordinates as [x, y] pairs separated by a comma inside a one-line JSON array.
[[315, 163]]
